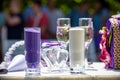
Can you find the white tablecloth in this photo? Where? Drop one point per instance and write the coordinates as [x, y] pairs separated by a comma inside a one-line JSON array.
[[97, 73]]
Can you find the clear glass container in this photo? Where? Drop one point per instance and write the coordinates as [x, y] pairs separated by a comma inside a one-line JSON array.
[[54, 56]]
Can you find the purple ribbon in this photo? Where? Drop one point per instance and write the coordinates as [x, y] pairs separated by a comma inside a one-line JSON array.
[[108, 25], [50, 43]]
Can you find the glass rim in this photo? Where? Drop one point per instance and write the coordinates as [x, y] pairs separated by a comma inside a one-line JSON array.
[[76, 27], [36, 28], [63, 19], [85, 18], [32, 28]]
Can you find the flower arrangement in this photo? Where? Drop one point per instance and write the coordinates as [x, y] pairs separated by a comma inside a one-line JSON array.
[[104, 56]]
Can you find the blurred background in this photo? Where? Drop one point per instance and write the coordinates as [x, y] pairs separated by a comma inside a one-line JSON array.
[[17, 14]]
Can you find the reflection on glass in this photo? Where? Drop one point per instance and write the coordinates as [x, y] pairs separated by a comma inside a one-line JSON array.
[[63, 25], [87, 25]]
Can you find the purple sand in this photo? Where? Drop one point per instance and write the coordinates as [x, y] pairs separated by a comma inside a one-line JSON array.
[[32, 46]]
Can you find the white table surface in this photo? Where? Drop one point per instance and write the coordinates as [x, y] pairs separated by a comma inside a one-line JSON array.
[[98, 73]]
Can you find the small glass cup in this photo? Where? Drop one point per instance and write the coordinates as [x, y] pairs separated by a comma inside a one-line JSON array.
[[32, 50], [76, 50]]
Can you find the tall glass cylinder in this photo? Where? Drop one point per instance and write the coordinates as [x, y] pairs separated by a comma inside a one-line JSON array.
[[62, 34], [32, 50], [87, 25], [76, 49]]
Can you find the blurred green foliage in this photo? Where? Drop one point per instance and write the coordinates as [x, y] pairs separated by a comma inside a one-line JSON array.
[[114, 6], [67, 5]]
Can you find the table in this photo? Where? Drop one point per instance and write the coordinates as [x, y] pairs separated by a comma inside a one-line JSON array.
[[98, 73]]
